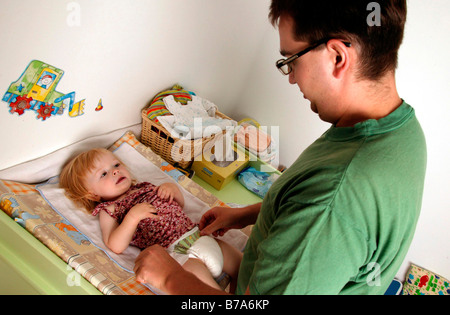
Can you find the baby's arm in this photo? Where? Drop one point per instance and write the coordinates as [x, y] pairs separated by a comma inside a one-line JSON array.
[[117, 237], [171, 192]]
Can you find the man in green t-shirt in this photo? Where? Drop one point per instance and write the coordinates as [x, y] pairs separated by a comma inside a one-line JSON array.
[[340, 220]]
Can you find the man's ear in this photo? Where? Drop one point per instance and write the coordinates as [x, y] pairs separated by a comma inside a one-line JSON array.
[[340, 56]]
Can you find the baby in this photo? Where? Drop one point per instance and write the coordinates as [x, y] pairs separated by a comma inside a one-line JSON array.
[[142, 214]]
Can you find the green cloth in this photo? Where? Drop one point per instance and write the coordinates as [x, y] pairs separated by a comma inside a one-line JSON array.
[[183, 246], [340, 220]]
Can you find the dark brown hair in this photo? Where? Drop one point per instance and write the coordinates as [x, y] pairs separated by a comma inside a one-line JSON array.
[[348, 19]]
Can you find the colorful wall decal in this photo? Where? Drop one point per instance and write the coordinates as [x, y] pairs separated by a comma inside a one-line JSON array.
[[99, 106], [77, 109], [35, 91]]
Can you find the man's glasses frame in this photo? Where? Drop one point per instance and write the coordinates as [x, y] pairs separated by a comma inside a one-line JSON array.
[[284, 64]]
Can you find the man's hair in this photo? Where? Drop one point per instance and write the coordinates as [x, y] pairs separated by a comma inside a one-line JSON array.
[[318, 19]]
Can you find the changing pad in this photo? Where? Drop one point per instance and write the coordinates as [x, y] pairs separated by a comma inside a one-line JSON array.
[[73, 234], [142, 170]]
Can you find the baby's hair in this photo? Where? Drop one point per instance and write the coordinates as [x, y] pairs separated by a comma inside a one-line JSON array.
[[73, 175]]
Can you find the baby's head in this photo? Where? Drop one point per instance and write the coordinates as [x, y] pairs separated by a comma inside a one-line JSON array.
[[94, 176]]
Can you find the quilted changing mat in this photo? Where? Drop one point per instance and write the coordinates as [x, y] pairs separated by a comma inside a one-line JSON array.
[[75, 236]]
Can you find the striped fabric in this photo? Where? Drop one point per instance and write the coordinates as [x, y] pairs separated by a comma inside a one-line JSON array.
[[183, 246], [157, 107]]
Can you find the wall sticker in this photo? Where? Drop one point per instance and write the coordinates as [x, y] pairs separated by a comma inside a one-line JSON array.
[[35, 90]]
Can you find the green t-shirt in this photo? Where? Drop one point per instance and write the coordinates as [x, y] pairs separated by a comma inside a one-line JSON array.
[[340, 220]]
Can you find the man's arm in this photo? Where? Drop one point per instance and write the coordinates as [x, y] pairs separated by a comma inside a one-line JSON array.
[[157, 268]]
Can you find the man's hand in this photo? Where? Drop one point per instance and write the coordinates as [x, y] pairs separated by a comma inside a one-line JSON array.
[[154, 266], [217, 221]]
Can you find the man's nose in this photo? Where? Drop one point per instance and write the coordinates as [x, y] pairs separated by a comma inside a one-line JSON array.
[[292, 78]]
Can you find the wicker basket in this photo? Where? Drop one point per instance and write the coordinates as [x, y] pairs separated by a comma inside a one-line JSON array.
[[175, 151]]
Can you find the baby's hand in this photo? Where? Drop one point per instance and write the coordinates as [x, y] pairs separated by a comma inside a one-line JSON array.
[[143, 211], [167, 191]]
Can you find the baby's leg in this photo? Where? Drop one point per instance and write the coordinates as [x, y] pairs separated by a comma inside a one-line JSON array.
[[198, 268], [231, 262]]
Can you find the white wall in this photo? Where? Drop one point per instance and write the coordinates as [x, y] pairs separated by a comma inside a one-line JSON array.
[[126, 51], [424, 80], [123, 52]]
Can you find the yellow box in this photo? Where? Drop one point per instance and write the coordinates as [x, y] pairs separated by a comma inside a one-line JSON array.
[[219, 173]]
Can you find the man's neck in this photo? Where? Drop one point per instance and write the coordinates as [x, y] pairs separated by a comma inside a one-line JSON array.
[[371, 100]]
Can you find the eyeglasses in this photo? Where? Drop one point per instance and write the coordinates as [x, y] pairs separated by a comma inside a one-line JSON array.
[[284, 64]]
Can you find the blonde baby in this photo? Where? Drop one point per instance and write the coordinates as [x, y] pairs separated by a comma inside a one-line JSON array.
[[142, 215]]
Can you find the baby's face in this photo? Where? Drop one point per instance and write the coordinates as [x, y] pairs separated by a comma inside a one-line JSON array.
[[109, 179]]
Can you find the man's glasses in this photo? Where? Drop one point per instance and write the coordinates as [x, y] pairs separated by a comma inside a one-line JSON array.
[[284, 65]]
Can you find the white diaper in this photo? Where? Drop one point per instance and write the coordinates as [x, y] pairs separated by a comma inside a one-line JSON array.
[[207, 250], [204, 248]]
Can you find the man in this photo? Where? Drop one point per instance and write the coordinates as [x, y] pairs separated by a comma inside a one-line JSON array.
[[340, 220]]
